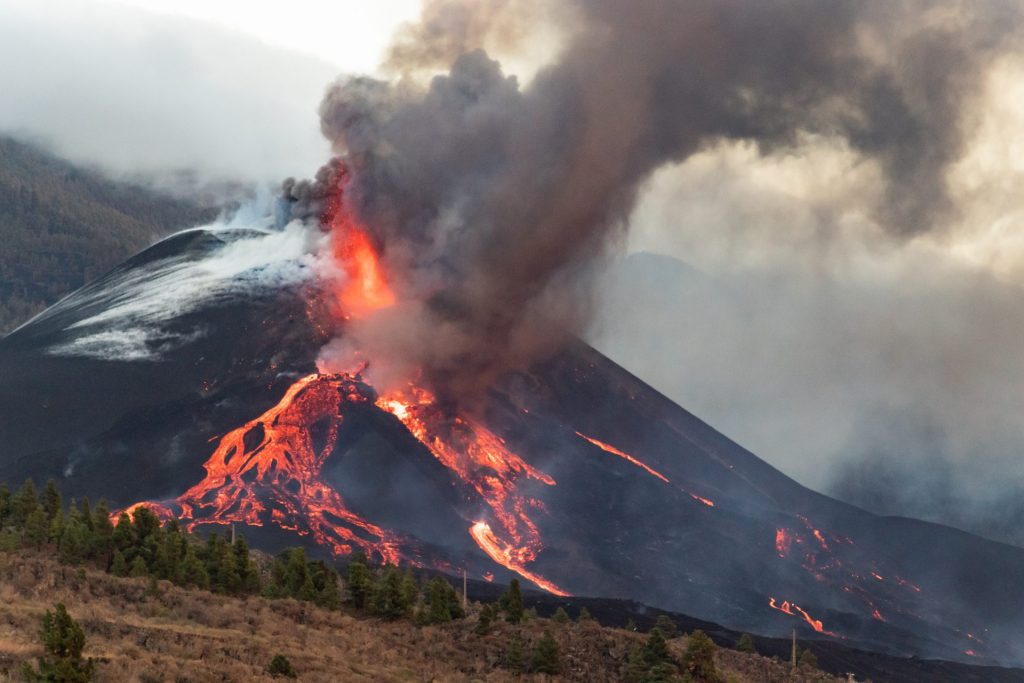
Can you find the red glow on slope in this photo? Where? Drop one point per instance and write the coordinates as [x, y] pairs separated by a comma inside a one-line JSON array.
[[608, 448], [783, 541], [701, 500], [480, 459], [506, 555], [795, 610], [268, 470]]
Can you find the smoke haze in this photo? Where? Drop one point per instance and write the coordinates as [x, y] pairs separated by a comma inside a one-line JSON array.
[[489, 197]]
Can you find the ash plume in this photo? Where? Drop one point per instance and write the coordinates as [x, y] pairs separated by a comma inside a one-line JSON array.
[[490, 200]]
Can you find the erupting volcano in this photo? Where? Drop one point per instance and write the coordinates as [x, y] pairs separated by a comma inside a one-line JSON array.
[[571, 474]]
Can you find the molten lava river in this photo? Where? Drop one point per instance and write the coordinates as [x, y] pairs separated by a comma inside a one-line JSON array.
[[268, 471]]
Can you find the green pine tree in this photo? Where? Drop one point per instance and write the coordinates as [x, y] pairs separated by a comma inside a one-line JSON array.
[[6, 505], [123, 538], [636, 667], [546, 659], [63, 642], [699, 659], [746, 644], [52, 504], [192, 571], [440, 601], [249, 576], [387, 599], [667, 626], [119, 566], [512, 603], [630, 625], [74, 543], [139, 567], [359, 581], [561, 616], [514, 654], [488, 613], [656, 649], [808, 660], [37, 528], [583, 616], [25, 502]]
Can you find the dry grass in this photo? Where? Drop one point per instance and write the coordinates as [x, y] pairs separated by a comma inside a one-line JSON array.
[[180, 636]]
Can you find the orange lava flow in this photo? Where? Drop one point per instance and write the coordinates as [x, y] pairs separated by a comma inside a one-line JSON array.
[[795, 610], [703, 501], [480, 459], [783, 541], [268, 471], [608, 448], [505, 555], [365, 287]]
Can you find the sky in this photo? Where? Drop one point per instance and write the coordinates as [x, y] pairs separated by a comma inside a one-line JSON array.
[[885, 369]]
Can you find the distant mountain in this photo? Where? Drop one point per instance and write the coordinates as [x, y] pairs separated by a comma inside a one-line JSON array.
[[62, 225]]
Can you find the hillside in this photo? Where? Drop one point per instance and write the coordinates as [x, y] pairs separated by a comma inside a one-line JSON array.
[[191, 635], [62, 225]]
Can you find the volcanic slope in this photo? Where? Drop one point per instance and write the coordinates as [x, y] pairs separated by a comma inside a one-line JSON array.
[[185, 379]]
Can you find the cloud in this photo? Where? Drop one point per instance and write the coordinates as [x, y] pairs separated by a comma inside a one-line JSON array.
[[157, 97]]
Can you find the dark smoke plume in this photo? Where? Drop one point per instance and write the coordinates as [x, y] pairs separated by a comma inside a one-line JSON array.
[[489, 199]]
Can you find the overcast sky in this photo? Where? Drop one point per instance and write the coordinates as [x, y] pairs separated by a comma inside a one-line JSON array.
[[824, 355]]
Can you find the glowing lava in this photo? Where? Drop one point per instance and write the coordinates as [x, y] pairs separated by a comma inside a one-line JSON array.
[[506, 555], [795, 610], [480, 459], [783, 541], [268, 471], [608, 448]]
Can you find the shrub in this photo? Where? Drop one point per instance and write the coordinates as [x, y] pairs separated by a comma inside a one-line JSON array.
[[280, 666]]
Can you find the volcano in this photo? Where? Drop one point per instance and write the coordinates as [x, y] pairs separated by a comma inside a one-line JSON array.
[[186, 380]]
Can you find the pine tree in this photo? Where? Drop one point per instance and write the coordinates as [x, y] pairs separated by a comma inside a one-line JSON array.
[[514, 654], [138, 567], [636, 666], [228, 580], [119, 566], [630, 625], [387, 599], [192, 571], [330, 595], [37, 529], [545, 655], [488, 613], [746, 644], [86, 513], [52, 504], [63, 641], [122, 538], [249, 576], [583, 616], [56, 527], [6, 506], [440, 603], [808, 660], [24, 504], [103, 533], [655, 649], [410, 589], [360, 583], [561, 616], [667, 626], [74, 543], [699, 660], [512, 603]]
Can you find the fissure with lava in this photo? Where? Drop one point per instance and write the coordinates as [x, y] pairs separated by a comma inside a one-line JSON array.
[[268, 471]]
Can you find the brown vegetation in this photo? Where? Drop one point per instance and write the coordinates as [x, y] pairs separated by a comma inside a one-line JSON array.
[[178, 635]]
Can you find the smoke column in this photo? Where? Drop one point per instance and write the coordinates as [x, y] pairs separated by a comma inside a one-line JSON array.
[[490, 200]]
